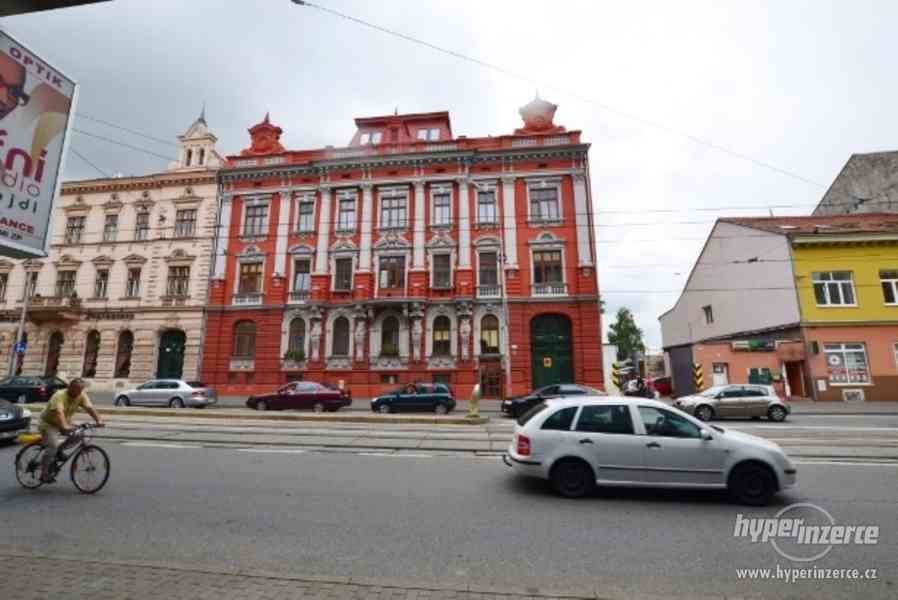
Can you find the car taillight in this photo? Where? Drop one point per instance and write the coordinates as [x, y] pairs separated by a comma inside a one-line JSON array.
[[198, 394], [523, 445], [41, 390]]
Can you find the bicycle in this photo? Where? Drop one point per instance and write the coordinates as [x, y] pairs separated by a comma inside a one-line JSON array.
[[90, 464]]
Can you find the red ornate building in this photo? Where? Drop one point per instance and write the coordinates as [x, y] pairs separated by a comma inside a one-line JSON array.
[[408, 255]]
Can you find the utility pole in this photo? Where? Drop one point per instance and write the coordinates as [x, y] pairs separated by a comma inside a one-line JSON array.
[[22, 318]]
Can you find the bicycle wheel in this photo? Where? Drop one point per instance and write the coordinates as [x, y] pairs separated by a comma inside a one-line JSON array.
[[90, 469], [28, 466]]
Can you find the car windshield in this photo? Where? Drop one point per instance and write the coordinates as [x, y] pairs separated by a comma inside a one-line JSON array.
[[535, 410], [712, 391]]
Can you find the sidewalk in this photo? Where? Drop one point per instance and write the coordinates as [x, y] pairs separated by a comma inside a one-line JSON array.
[[105, 579]]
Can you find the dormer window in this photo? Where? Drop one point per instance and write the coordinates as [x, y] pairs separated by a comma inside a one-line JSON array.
[[371, 137], [429, 134]]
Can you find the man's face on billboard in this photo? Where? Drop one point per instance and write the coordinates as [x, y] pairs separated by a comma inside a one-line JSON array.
[[12, 85]]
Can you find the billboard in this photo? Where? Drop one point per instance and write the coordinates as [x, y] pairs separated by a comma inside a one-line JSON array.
[[36, 104]]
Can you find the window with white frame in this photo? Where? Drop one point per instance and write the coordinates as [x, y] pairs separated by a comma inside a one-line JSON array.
[[65, 283], [30, 284], [847, 363], [544, 204], [371, 137], [391, 274], [429, 134], [255, 219], [889, 282], [548, 272], [834, 288], [487, 209], [346, 213], [442, 207], [132, 287], [101, 283], [442, 336], [178, 281], [4, 284], [393, 210], [302, 268], [489, 335], [341, 337], [185, 222], [343, 274], [250, 279], [142, 226], [442, 271], [74, 230], [305, 217], [488, 268], [110, 228]]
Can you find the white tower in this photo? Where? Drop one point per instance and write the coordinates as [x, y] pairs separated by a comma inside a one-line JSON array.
[[197, 147]]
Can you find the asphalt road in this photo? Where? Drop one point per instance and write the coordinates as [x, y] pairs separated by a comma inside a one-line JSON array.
[[437, 517]]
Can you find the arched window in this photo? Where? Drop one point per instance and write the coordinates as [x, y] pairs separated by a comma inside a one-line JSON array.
[[341, 336], [91, 351], [389, 337], [189, 157], [296, 343], [489, 335], [442, 328], [123, 354], [245, 339]]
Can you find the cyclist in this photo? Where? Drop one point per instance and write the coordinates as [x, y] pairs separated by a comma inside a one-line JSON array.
[[55, 420]]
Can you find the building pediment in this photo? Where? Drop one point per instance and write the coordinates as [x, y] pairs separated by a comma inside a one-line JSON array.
[[302, 249], [103, 261], [344, 245], [6, 266], [392, 242], [78, 206], [179, 257], [134, 260], [441, 241], [547, 239]]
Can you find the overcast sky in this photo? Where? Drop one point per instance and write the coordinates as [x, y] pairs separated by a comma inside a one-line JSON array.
[[799, 85]]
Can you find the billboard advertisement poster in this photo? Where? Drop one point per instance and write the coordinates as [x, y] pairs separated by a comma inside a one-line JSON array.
[[36, 106]]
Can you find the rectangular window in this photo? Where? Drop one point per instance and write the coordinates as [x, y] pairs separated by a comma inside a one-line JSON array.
[[709, 314], [185, 222], [393, 211], [74, 230], [142, 226], [65, 283], [30, 284], [250, 281], [110, 228], [101, 284], [301, 278], [544, 204], [889, 281], [255, 222], [760, 376], [442, 208], [847, 363], [547, 267], [132, 289], [306, 219], [346, 216], [442, 343], [605, 419], [442, 271], [488, 272], [392, 272], [834, 288], [429, 134], [486, 207], [389, 378], [343, 274], [4, 283], [178, 281]]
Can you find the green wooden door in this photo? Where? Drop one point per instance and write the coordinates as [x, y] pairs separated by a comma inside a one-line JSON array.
[[171, 354], [551, 350]]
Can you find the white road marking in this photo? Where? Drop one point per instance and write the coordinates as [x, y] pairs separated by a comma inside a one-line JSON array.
[[272, 450], [845, 463], [159, 445]]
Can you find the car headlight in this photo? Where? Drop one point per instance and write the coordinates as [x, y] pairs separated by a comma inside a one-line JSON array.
[[26, 414]]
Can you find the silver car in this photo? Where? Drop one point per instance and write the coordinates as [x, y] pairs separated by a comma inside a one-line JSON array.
[[174, 393], [736, 400]]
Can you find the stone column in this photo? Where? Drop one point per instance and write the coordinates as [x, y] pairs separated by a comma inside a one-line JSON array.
[[283, 230], [464, 225], [324, 217], [510, 224], [584, 247], [222, 236], [367, 224], [418, 243], [360, 326]]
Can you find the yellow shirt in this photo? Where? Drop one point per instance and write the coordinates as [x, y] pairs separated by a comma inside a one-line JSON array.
[[61, 400]]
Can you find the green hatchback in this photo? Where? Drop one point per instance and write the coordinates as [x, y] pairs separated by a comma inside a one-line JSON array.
[[416, 397]]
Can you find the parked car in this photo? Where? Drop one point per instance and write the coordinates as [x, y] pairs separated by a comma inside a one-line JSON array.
[[729, 401], [518, 405], [432, 397], [14, 419], [578, 443], [319, 397], [174, 393], [662, 385], [30, 389]]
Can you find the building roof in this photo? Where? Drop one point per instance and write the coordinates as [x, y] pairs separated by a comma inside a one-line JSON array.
[[867, 183], [836, 224]]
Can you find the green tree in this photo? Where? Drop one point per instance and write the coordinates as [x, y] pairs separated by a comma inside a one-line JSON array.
[[625, 334]]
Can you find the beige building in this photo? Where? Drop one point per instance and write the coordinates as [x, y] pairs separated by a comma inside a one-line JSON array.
[[120, 297]]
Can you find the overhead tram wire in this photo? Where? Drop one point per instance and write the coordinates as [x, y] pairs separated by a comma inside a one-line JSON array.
[[123, 144], [540, 84], [127, 129], [88, 161]]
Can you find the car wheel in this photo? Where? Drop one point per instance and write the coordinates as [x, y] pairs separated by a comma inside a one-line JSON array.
[[441, 409], [261, 405], [318, 407], [176, 403], [122, 401], [572, 478], [776, 413], [384, 409], [704, 413], [753, 484]]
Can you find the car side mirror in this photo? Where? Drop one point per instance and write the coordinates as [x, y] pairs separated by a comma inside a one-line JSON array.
[[706, 435]]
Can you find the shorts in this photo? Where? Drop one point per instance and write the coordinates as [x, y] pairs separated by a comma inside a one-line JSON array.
[[51, 437]]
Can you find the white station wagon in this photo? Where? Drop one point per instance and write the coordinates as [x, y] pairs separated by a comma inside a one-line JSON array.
[[622, 441]]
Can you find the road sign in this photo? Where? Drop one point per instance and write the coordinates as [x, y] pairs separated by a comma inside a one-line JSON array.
[[36, 103], [21, 347]]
